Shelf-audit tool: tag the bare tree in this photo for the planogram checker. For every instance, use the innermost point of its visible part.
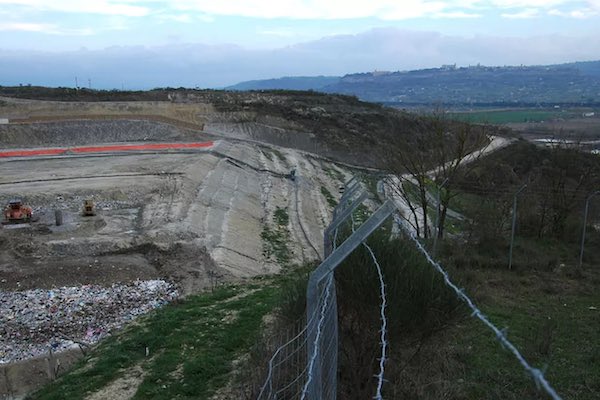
(432, 156)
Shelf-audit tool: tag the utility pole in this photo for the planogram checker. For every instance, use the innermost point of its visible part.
(437, 216)
(76, 83)
(514, 223)
(89, 83)
(585, 215)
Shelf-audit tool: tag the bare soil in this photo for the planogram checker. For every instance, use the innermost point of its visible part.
(193, 218)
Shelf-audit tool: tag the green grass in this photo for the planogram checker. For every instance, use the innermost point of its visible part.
(281, 217)
(555, 330)
(329, 197)
(279, 155)
(508, 116)
(269, 152)
(370, 182)
(276, 238)
(192, 346)
(334, 174)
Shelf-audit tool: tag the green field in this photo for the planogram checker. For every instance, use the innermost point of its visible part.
(508, 116)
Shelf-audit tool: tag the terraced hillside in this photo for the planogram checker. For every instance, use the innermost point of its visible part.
(194, 218)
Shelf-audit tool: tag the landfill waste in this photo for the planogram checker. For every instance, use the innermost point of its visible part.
(33, 322)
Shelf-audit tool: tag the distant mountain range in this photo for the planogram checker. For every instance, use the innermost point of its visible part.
(289, 83)
(573, 83)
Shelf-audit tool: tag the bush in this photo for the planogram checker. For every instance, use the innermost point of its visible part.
(418, 304)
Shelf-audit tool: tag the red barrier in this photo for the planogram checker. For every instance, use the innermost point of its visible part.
(105, 149)
(140, 147)
(30, 153)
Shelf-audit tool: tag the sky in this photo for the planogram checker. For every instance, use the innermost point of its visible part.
(142, 44)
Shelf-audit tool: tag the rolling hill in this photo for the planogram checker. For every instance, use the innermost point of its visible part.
(573, 83)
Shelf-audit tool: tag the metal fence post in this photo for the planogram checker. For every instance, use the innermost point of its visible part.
(585, 215)
(340, 218)
(514, 222)
(437, 217)
(320, 275)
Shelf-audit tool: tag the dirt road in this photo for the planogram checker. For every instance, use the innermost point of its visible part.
(413, 217)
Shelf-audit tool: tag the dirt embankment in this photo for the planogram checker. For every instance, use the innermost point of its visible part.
(193, 219)
(338, 127)
(73, 133)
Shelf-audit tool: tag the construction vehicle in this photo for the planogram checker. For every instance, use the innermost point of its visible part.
(16, 213)
(89, 209)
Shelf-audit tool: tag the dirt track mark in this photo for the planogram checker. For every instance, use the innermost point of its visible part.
(198, 126)
(70, 178)
(242, 164)
(123, 388)
(297, 207)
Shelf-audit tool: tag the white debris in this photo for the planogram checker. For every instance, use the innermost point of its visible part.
(34, 321)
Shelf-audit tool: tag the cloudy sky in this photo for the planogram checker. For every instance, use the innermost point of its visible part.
(141, 44)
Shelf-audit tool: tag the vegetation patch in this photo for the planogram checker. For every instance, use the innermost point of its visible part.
(281, 217)
(329, 197)
(418, 305)
(276, 239)
(553, 320)
(334, 174)
(370, 181)
(279, 155)
(508, 116)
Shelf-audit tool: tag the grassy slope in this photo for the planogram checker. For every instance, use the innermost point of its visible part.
(192, 346)
(549, 319)
(552, 316)
(551, 308)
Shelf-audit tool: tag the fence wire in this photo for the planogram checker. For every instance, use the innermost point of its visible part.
(313, 363)
(383, 329)
(304, 366)
(293, 368)
(318, 338)
(536, 374)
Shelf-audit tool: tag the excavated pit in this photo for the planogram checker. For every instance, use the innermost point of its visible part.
(193, 218)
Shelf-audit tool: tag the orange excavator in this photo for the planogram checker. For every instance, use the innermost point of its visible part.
(16, 213)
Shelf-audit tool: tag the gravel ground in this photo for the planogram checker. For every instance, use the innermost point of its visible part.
(34, 321)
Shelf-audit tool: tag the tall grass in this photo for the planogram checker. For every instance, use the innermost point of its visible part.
(418, 304)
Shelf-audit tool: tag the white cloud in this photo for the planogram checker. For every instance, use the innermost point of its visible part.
(23, 27)
(381, 9)
(524, 14)
(213, 66)
(50, 29)
(331, 9)
(185, 18)
(529, 3)
(578, 14)
(104, 7)
(186, 11)
(457, 14)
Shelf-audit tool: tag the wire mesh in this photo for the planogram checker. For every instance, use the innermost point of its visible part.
(304, 365)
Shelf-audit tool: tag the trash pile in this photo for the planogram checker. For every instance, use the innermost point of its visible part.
(33, 322)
